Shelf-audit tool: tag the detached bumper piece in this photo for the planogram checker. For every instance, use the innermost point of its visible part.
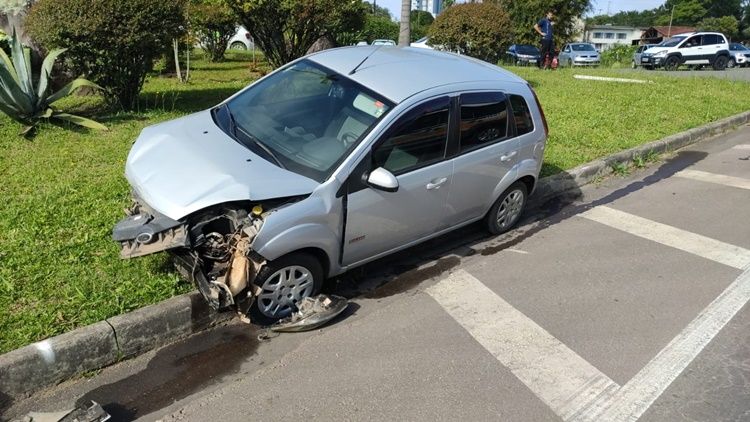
(313, 312)
(87, 412)
(143, 234)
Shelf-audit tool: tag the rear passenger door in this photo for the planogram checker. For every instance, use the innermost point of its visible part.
(712, 44)
(486, 152)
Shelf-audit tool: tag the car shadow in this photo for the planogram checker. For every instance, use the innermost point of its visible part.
(404, 271)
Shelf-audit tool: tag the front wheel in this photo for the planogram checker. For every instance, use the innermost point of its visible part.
(284, 282)
(672, 63)
(507, 210)
(731, 64)
(633, 65)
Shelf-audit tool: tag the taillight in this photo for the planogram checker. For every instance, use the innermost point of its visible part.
(541, 110)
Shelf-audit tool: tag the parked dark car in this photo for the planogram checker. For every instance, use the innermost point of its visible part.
(522, 54)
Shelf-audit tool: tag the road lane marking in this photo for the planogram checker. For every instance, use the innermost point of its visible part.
(724, 253)
(742, 147)
(719, 179)
(635, 397)
(557, 375)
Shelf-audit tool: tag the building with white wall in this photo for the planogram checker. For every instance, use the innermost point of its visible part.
(607, 36)
(432, 6)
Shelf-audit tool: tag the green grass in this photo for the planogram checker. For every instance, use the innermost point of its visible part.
(61, 194)
(63, 191)
(592, 119)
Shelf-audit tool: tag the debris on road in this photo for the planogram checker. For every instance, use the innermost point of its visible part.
(313, 312)
(90, 412)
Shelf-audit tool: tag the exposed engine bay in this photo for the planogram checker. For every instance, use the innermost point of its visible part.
(212, 248)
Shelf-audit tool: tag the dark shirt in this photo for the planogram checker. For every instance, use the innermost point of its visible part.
(545, 25)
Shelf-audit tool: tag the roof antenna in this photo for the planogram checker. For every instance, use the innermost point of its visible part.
(364, 60)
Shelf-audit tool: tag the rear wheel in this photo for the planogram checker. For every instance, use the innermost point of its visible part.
(238, 46)
(507, 210)
(284, 282)
(720, 63)
(672, 63)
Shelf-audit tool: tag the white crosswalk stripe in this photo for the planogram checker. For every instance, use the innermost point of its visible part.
(706, 247)
(561, 378)
(719, 179)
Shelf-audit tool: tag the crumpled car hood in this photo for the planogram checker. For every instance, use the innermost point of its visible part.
(188, 164)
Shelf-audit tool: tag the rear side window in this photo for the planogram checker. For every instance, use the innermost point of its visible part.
(418, 140)
(484, 119)
(521, 115)
(711, 39)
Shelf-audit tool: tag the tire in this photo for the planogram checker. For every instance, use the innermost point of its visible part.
(671, 63)
(731, 64)
(570, 63)
(277, 297)
(511, 203)
(720, 63)
(633, 65)
(237, 45)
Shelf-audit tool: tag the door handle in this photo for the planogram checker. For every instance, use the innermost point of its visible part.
(435, 184)
(508, 157)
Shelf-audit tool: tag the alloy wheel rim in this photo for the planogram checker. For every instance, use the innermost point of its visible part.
(510, 209)
(283, 290)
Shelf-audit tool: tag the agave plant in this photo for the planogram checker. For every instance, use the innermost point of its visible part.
(29, 105)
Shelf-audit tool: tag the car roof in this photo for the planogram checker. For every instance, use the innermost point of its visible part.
(400, 72)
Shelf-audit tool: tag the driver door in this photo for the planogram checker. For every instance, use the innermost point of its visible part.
(414, 150)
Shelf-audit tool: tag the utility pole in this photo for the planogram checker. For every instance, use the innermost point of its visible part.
(671, 16)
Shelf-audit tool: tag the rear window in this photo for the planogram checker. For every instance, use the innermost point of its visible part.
(521, 115)
(484, 119)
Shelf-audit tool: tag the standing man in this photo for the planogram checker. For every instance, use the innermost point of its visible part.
(544, 28)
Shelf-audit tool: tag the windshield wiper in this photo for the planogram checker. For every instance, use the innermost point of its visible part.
(235, 130)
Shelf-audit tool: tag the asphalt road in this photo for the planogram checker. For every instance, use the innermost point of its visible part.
(628, 302)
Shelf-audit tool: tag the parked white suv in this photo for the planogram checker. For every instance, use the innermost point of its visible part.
(695, 48)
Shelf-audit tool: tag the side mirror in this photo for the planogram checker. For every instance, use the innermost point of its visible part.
(382, 179)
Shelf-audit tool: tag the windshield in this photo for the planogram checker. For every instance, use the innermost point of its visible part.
(527, 49)
(305, 118)
(582, 47)
(671, 42)
(737, 47)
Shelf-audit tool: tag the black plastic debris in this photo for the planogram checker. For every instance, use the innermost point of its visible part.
(312, 313)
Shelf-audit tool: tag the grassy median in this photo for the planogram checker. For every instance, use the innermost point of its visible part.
(63, 191)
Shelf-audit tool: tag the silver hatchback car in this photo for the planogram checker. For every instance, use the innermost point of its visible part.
(330, 162)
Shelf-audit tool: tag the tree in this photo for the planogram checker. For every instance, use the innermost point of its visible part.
(378, 28)
(374, 9)
(727, 25)
(686, 12)
(285, 29)
(405, 27)
(525, 13)
(112, 42)
(420, 23)
(478, 30)
(213, 24)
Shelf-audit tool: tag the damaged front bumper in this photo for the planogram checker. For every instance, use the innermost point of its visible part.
(213, 251)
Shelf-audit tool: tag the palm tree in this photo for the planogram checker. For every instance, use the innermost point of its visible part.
(404, 33)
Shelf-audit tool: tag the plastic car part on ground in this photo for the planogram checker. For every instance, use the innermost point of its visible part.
(313, 312)
(88, 412)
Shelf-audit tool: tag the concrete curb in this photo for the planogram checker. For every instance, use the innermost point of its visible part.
(570, 180)
(39, 365)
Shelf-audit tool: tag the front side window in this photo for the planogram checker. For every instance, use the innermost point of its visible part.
(692, 42)
(521, 115)
(304, 118)
(484, 119)
(417, 140)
